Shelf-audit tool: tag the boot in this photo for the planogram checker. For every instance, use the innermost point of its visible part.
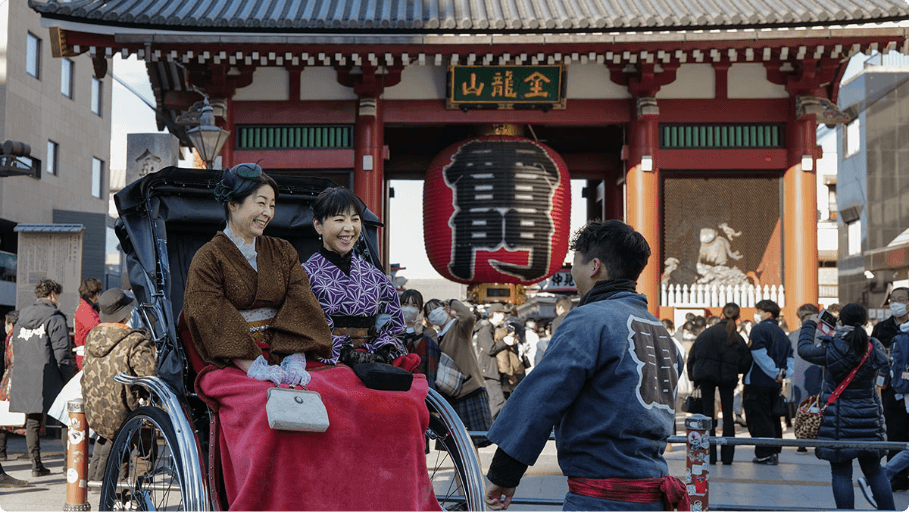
(3, 434)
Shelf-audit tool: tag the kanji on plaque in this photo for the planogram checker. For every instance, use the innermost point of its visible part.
(506, 86)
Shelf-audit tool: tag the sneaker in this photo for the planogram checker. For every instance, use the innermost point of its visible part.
(42, 471)
(769, 460)
(866, 490)
(8, 481)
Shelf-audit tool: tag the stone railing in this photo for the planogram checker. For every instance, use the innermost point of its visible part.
(712, 295)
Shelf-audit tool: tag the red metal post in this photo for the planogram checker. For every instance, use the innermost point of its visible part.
(643, 201)
(77, 458)
(697, 476)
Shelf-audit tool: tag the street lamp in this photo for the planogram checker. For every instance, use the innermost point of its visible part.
(207, 138)
(16, 160)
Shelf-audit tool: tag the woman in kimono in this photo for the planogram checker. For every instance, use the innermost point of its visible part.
(255, 320)
(353, 293)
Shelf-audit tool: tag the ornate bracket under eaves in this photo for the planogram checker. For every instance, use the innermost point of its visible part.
(826, 111)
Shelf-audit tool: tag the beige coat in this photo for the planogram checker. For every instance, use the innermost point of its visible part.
(457, 344)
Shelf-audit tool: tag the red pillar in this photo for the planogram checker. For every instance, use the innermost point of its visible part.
(800, 217)
(642, 196)
(369, 172)
(227, 152)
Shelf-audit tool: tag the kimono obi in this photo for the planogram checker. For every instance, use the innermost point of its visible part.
(360, 329)
(258, 321)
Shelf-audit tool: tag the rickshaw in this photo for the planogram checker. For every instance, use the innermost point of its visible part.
(164, 455)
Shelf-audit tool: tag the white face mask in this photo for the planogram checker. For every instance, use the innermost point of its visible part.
(898, 309)
(757, 318)
(496, 319)
(411, 313)
(438, 316)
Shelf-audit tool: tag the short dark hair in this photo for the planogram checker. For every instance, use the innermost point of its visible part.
(12, 317)
(45, 287)
(432, 304)
(90, 287)
(768, 306)
(806, 310)
(412, 296)
(667, 323)
(623, 251)
(336, 201)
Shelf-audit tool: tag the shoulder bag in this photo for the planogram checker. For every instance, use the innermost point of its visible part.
(810, 413)
(449, 378)
(694, 404)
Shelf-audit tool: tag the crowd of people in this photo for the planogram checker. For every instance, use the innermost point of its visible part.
(259, 318)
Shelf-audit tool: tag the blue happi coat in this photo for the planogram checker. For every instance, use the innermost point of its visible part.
(608, 384)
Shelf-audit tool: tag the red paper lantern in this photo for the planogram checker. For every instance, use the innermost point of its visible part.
(496, 209)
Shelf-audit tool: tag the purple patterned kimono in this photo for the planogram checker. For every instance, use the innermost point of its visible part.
(365, 292)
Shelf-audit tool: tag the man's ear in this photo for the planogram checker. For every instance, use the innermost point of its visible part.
(596, 267)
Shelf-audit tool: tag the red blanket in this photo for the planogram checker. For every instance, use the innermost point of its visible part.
(370, 458)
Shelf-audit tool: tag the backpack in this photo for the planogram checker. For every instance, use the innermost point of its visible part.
(899, 367)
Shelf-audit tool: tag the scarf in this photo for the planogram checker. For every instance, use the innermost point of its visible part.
(603, 290)
(842, 330)
(669, 489)
(342, 262)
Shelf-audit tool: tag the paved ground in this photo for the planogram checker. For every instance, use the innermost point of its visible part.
(800, 481)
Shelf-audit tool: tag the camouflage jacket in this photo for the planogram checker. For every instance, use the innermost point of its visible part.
(112, 349)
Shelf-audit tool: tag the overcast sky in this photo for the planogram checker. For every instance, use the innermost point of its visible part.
(132, 115)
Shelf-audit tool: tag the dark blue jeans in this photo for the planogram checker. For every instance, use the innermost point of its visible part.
(581, 502)
(843, 490)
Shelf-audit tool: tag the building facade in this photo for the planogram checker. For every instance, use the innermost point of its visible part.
(697, 128)
(60, 109)
(874, 178)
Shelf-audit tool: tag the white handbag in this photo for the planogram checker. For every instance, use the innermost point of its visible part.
(296, 409)
(10, 419)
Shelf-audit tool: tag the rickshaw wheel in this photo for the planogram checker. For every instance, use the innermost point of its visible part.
(453, 468)
(144, 471)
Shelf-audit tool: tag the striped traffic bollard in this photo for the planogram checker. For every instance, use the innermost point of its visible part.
(697, 461)
(77, 458)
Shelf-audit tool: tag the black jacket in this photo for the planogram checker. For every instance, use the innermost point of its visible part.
(711, 360)
(857, 414)
(487, 348)
(885, 330)
(42, 359)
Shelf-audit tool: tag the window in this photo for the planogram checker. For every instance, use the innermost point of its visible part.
(66, 77)
(33, 56)
(854, 238)
(97, 91)
(97, 175)
(51, 165)
(853, 138)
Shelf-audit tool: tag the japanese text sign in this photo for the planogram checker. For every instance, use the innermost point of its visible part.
(506, 86)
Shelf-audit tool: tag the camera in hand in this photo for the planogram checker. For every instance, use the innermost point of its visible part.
(826, 322)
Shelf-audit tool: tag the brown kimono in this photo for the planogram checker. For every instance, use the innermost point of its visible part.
(221, 283)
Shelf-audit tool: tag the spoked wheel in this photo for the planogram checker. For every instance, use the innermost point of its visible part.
(144, 471)
(452, 460)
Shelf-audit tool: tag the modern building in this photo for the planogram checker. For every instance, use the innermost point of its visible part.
(62, 110)
(696, 126)
(873, 191)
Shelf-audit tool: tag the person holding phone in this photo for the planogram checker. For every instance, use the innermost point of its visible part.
(894, 408)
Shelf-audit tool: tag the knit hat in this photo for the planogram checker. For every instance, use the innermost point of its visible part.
(114, 305)
(236, 181)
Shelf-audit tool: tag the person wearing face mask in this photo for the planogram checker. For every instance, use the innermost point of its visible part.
(43, 364)
(894, 408)
(418, 341)
(487, 349)
(455, 323)
(773, 360)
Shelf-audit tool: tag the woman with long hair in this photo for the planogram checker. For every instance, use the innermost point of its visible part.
(716, 359)
(857, 414)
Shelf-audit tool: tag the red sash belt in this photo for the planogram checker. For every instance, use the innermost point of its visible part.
(669, 489)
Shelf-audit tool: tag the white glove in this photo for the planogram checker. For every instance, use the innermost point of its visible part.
(294, 366)
(261, 370)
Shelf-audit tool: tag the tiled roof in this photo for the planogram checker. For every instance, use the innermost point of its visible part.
(469, 15)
